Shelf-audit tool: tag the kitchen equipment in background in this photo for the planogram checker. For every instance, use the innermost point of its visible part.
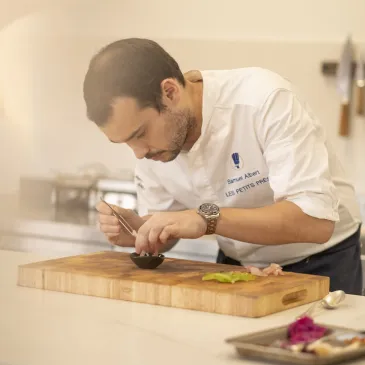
(73, 191)
(61, 191)
(76, 189)
(116, 187)
(36, 192)
(121, 192)
(344, 86)
(76, 192)
(79, 190)
(176, 283)
(360, 83)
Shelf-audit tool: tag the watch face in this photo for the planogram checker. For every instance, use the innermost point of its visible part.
(209, 209)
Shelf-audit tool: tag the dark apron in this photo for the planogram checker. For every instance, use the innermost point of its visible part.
(341, 263)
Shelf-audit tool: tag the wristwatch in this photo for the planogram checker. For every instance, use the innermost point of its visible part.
(210, 212)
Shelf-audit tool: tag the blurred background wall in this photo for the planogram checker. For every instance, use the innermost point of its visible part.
(45, 52)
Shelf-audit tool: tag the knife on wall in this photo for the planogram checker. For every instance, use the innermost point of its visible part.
(344, 86)
(360, 83)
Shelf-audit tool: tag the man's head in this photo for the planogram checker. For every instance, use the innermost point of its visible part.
(135, 92)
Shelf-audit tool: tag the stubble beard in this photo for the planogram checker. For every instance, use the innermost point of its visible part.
(184, 122)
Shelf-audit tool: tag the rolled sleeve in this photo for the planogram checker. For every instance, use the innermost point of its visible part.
(294, 148)
(152, 197)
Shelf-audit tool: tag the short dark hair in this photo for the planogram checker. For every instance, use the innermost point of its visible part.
(132, 67)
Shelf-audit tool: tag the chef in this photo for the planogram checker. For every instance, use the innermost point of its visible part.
(235, 153)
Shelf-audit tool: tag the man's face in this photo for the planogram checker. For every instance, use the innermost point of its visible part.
(151, 134)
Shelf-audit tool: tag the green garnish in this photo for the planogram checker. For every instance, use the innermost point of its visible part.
(229, 277)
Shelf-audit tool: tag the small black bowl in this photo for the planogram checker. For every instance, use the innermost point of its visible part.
(147, 261)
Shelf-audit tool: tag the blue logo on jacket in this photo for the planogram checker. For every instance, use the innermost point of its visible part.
(236, 161)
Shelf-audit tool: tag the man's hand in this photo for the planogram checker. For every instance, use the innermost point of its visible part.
(193, 76)
(161, 227)
(111, 227)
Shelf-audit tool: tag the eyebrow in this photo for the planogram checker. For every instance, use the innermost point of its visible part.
(133, 134)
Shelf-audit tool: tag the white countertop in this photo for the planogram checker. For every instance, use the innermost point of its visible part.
(48, 328)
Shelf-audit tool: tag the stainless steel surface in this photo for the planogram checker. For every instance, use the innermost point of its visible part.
(360, 76)
(118, 192)
(81, 190)
(330, 301)
(333, 300)
(117, 186)
(344, 76)
(360, 83)
(257, 346)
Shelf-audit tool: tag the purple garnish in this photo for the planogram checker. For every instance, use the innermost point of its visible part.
(304, 330)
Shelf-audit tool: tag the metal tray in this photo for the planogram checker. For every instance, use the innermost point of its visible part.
(257, 346)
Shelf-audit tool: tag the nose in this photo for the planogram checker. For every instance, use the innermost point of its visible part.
(140, 152)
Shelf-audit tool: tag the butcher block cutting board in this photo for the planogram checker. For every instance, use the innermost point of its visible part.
(176, 283)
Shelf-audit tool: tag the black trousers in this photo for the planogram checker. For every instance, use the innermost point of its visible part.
(341, 263)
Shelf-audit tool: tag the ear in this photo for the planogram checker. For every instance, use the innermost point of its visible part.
(170, 91)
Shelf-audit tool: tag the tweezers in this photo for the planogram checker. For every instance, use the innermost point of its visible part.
(121, 220)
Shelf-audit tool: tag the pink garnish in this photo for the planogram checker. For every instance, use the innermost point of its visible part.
(304, 330)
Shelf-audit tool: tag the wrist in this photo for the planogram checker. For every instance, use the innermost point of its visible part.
(200, 218)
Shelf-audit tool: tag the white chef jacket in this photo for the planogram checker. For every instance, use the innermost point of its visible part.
(260, 143)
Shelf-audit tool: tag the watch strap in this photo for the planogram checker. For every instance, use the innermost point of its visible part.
(211, 225)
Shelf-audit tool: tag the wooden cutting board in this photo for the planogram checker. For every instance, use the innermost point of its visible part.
(176, 283)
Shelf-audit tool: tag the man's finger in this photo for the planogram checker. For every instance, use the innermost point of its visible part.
(168, 232)
(153, 238)
(154, 234)
(112, 234)
(193, 76)
(142, 246)
(106, 228)
(142, 239)
(108, 219)
(103, 208)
